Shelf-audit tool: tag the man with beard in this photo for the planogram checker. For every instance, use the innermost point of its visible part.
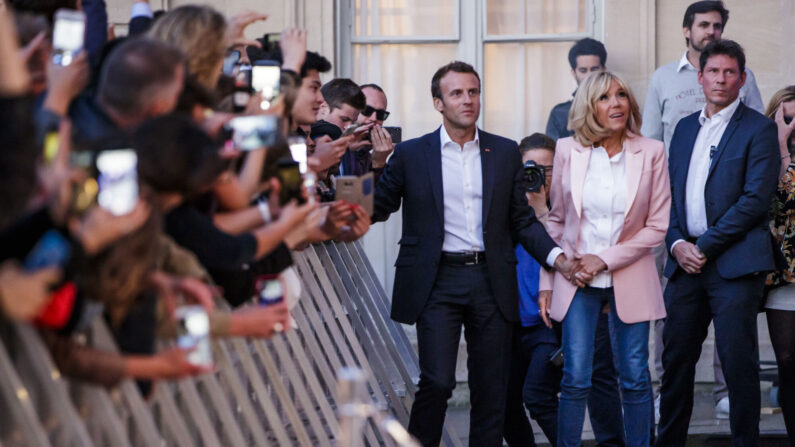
(674, 93)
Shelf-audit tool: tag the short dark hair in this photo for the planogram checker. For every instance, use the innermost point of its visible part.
(339, 91)
(134, 71)
(455, 66)
(703, 7)
(587, 47)
(725, 47)
(537, 140)
(175, 155)
(373, 86)
(313, 61)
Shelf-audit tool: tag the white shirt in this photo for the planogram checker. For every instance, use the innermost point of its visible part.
(462, 182)
(604, 199)
(704, 149)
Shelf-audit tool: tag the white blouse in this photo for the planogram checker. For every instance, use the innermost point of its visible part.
(604, 200)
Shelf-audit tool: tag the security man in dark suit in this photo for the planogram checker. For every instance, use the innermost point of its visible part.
(464, 208)
(724, 165)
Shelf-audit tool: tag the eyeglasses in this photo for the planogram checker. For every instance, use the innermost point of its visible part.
(380, 114)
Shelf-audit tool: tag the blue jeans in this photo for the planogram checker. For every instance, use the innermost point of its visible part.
(630, 344)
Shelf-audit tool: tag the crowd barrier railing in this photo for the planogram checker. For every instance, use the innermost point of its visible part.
(279, 392)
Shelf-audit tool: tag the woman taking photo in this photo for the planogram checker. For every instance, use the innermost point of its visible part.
(780, 304)
(610, 198)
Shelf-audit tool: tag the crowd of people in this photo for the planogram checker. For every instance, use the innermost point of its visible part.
(136, 189)
(173, 170)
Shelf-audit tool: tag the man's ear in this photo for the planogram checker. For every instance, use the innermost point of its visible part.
(686, 32)
(438, 104)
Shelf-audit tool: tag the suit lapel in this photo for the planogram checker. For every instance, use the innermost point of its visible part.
(487, 168)
(580, 157)
(433, 160)
(734, 123)
(686, 150)
(633, 165)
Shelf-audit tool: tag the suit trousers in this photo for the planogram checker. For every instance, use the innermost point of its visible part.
(462, 296)
(692, 301)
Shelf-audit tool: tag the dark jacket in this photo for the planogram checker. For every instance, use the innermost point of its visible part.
(740, 185)
(558, 120)
(413, 177)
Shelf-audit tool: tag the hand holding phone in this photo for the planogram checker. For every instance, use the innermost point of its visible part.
(193, 333)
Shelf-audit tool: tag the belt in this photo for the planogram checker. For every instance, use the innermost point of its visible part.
(464, 257)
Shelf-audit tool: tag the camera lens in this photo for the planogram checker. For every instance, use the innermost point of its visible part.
(534, 176)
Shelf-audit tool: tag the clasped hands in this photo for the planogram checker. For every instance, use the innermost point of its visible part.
(580, 269)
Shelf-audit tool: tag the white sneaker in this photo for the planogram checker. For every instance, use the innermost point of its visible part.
(722, 409)
(657, 409)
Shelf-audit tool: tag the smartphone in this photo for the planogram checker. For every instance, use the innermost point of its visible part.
(117, 181)
(52, 250)
(242, 92)
(265, 76)
(193, 332)
(352, 128)
(84, 193)
(230, 62)
(289, 175)
(270, 290)
(356, 190)
(253, 132)
(396, 133)
(271, 42)
(298, 151)
(68, 35)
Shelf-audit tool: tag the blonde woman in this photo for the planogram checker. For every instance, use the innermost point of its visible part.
(610, 199)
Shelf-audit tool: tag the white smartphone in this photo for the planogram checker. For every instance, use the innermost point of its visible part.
(117, 180)
(265, 80)
(68, 35)
(298, 151)
(193, 332)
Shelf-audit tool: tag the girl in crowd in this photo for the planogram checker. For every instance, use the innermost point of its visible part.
(610, 198)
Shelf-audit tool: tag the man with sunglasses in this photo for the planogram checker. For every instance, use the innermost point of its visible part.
(370, 154)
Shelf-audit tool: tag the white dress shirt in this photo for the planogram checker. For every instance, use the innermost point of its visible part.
(704, 149)
(462, 182)
(604, 198)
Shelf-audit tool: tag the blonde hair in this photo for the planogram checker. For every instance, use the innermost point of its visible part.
(786, 94)
(582, 115)
(200, 32)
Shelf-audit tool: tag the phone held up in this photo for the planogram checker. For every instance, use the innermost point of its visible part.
(68, 35)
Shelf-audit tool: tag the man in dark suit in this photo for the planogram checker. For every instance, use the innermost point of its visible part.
(724, 165)
(463, 209)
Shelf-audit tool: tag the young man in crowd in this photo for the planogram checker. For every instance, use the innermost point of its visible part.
(674, 92)
(585, 57)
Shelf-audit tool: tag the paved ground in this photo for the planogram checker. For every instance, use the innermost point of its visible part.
(705, 430)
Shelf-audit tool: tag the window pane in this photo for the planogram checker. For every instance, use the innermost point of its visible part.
(536, 16)
(405, 18)
(404, 72)
(518, 101)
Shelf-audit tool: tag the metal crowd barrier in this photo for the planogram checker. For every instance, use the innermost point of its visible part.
(277, 392)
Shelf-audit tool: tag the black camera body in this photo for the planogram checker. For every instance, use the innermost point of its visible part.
(534, 176)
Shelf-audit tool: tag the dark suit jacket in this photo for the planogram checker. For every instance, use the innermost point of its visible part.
(742, 179)
(414, 175)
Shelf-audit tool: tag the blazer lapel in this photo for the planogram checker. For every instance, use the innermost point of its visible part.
(686, 149)
(487, 168)
(433, 160)
(734, 123)
(580, 157)
(633, 164)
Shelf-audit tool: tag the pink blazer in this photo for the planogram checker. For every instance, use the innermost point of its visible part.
(636, 283)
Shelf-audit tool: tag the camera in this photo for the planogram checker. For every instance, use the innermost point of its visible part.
(534, 176)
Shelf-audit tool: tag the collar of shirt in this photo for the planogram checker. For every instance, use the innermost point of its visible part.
(445, 138)
(722, 116)
(685, 63)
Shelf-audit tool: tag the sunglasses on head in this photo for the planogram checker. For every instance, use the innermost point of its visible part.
(380, 114)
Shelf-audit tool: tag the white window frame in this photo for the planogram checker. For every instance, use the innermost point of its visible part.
(471, 16)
